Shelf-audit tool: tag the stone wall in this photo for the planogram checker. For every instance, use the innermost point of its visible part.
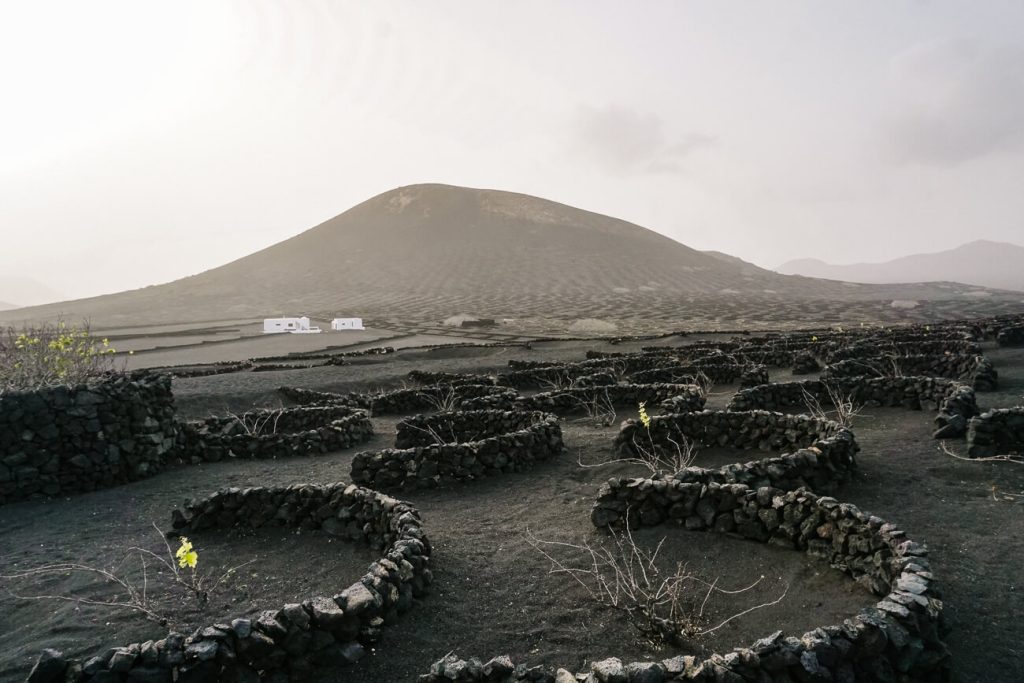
(291, 643)
(996, 432)
(1011, 335)
(462, 426)
(820, 453)
(583, 399)
(870, 348)
(955, 401)
(898, 639)
(400, 401)
(265, 434)
(977, 371)
(537, 437)
(65, 440)
(428, 377)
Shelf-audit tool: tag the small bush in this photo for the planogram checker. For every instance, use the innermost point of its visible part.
(50, 355)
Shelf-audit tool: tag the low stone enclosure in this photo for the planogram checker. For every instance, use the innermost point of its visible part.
(954, 400)
(869, 348)
(598, 398)
(978, 371)
(431, 450)
(263, 434)
(62, 441)
(996, 432)
(289, 643)
(1011, 335)
(399, 401)
(819, 454)
(898, 639)
(67, 440)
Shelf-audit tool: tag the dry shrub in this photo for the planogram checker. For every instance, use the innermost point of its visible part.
(665, 604)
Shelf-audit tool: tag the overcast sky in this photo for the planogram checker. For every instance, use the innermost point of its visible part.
(145, 141)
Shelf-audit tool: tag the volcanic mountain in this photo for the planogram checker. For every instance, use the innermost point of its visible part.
(984, 263)
(424, 252)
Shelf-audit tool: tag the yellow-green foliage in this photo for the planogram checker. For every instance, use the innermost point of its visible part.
(187, 557)
(52, 355)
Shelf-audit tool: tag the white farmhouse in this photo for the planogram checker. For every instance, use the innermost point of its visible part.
(347, 324)
(271, 325)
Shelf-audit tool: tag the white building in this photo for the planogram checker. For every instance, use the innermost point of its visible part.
(271, 325)
(347, 324)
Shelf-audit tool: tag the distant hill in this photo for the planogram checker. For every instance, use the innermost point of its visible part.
(4, 306)
(26, 291)
(427, 252)
(983, 263)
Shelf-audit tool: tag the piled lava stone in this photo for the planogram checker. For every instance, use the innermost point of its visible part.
(290, 643)
(896, 639)
(955, 401)
(977, 370)
(820, 453)
(402, 401)
(264, 434)
(804, 363)
(65, 440)
(482, 443)
(1011, 335)
(725, 372)
(428, 377)
(871, 348)
(996, 432)
(580, 399)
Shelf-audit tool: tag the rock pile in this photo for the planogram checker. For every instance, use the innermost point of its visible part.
(955, 401)
(588, 399)
(494, 442)
(266, 434)
(899, 638)
(996, 432)
(290, 643)
(1011, 335)
(66, 440)
(402, 401)
(978, 371)
(820, 453)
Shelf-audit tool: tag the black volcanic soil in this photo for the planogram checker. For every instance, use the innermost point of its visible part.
(493, 593)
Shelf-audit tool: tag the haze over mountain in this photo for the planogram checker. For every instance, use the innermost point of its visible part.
(4, 306)
(26, 291)
(984, 263)
(426, 251)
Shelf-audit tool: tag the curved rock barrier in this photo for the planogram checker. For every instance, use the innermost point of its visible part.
(873, 347)
(65, 440)
(996, 432)
(427, 377)
(976, 370)
(482, 443)
(898, 639)
(955, 401)
(291, 643)
(583, 399)
(1011, 335)
(401, 401)
(820, 454)
(263, 434)
(804, 363)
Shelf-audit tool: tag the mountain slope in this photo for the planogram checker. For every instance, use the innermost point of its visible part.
(983, 263)
(428, 251)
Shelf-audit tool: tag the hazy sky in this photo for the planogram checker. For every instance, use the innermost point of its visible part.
(145, 141)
